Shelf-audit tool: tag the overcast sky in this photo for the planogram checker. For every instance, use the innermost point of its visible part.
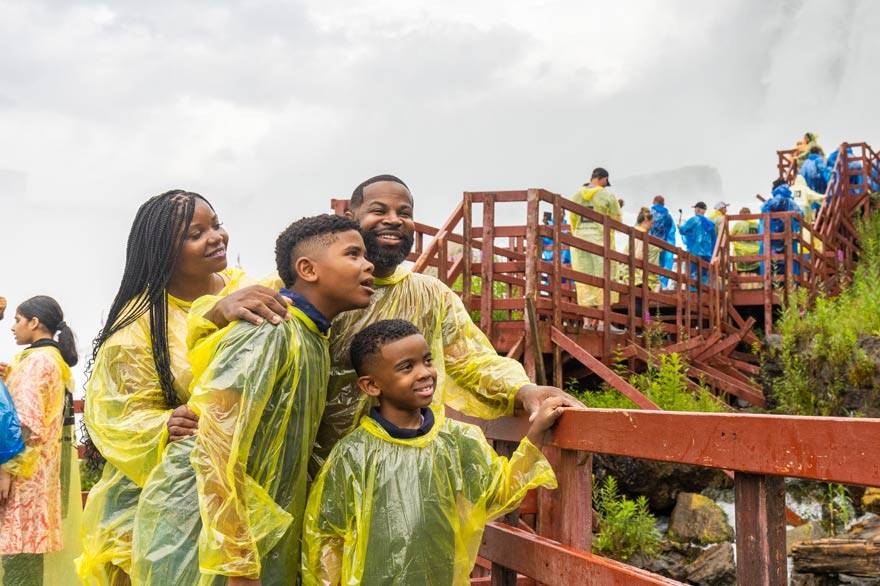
(270, 108)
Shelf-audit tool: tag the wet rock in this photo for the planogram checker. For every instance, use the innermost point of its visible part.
(806, 532)
(871, 500)
(855, 554)
(698, 519)
(671, 561)
(715, 567)
(659, 482)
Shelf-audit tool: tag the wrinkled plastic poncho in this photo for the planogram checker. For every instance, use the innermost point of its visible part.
(11, 443)
(411, 511)
(638, 254)
(664, 229)
(806, 199)
(746, 247)
(854, 169)
(716, 216)
(57, 566)
(699, 236)
(230, 501)
(813, 170)
(604, 202)
(471, 376)
(127, 418)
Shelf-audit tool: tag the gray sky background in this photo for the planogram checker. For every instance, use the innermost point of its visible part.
(270, 108)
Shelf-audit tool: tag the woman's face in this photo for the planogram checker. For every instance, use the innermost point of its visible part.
(204, 244)
(24, 330)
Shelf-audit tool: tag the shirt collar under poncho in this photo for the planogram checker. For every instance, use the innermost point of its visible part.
(401, 433)
(307, 308)
(44, 343)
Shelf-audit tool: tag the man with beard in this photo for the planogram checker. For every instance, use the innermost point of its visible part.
(471, 376)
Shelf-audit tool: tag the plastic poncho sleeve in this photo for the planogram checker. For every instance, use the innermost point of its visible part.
(329, 519)
(583, 197)
(11, 443)
(505, 482)
(198, 326)
(230, 396)
(37, 376)
(125, 410)
(485, 382)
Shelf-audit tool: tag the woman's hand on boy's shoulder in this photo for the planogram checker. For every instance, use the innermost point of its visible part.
(254, 304)
(530, 398)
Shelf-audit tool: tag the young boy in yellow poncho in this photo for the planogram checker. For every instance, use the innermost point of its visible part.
(226, 506)
(404, 499)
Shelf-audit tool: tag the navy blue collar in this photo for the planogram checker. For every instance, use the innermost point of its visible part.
(400, 433)
(305, 306)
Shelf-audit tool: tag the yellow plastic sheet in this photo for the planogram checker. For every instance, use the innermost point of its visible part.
(747, 247)
(127, 416)
(471, 376)
(259, 393)
(603, 202)
(412, 511)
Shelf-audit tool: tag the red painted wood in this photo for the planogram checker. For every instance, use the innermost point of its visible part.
(828, 449)
(760, 530)
(553, 564)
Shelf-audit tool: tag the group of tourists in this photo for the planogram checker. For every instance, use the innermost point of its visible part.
(274, 432)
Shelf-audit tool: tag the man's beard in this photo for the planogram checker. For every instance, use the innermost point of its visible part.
(382, 256)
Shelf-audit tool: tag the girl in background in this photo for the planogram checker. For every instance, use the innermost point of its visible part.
(31, 503)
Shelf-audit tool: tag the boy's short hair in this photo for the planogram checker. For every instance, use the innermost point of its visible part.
(368, 342)
(293, 241)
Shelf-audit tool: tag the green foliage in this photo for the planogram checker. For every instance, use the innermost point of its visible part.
(820, 353)
(626, 527)
(667, 386)
(837, 509)
(88, 475)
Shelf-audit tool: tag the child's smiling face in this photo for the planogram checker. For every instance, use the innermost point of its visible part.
(404, 374)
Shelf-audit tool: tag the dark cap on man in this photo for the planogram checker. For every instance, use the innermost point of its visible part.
(600, 173)
(701, 205)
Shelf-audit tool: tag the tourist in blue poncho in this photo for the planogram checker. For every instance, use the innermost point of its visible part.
(664, 229)
(699, 238)
(813, 170)
(781, 201)
(854, 167)
(11, 443)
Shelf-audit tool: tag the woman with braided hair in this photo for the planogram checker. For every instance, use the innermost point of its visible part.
(139, 373)
(32, 495)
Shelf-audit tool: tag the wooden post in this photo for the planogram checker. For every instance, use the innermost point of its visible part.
(768, 276)
(487, 275)
(467, 257)
(502, 576)
(760, 530)
(606, 290)
(631, 283)
(556, 284)
(532, 251)
(788, 239)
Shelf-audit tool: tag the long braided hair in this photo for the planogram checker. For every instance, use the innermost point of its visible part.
(154, 243)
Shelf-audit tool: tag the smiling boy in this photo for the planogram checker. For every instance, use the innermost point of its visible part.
(228, 503)
(404, 498)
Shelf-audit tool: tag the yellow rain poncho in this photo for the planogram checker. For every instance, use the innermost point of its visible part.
(411, 511)
(471, 377)
(58, 567)
(259, 392)
(604, 202)
(748, 247)
(127, 416)
(653, 260)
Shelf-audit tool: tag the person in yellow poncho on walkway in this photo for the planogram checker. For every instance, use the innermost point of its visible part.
(472, 377)
(35, 484)
(404, 499)
(259, 392)
(746, 247)
(135, 398)
(595, 196)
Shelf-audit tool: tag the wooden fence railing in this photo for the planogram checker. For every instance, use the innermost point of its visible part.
(761, 449)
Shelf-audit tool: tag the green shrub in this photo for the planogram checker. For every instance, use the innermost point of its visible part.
(819, 351)
(88, 475)
(626, 527)
(666, 385)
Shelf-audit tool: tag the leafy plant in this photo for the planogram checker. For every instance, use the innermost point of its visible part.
(819, 352)
(666, 385)
(837, 509)
(626, 527)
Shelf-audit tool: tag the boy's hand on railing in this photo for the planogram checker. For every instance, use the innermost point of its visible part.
(543, 419)
(530, 398)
